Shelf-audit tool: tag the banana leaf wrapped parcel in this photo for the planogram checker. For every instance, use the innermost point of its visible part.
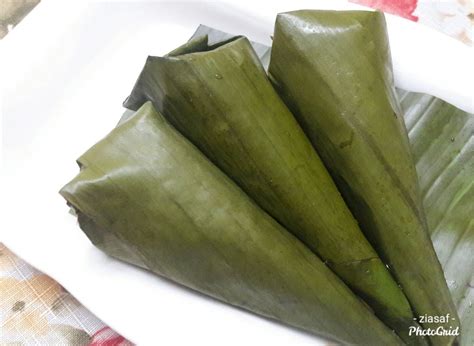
(333, 70)
(148, 196)
(219, 97)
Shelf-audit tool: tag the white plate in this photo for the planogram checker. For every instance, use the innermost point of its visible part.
(67, 69)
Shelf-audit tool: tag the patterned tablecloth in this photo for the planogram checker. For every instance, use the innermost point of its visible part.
(35, 309)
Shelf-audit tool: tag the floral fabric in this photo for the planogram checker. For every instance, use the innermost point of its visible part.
(452, 17)
(36, 310)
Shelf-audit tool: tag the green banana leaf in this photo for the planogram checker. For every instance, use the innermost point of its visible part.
(219, 97)
(333, 69)
(148, 196)
(441, 138)
(443, 135)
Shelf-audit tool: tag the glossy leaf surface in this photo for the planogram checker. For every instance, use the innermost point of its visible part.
(148, 196)
(220, 98)
(333, 69)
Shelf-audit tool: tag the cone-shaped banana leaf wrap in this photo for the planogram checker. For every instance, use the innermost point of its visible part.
(220, 99)
(333, 70)
(148, 196)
